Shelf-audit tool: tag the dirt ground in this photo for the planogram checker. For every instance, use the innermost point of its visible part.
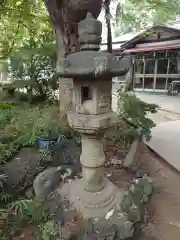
(164, 206)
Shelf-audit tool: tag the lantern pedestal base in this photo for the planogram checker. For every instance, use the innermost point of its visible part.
(92, 204)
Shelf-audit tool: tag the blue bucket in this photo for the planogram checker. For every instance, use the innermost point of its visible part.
(45, 142)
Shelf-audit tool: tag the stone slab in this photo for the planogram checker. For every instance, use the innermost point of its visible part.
(165, 142)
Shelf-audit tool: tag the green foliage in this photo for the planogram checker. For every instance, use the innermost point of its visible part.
(5, 197)
(19, 207)
(20, 125)
(134, 114)
(4, 106)
(16, 132)
(23, 211)
(16, 18)
(50, 230)
(5, 116)
(132, 14)
(3, 178)
(48, 125)
(32, 211)
(28, 48)
(45, 157)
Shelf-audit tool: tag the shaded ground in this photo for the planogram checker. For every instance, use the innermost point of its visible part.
(164, 207)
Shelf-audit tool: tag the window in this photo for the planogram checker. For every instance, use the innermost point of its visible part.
(162, 66)
(150, 65)
(173, 66)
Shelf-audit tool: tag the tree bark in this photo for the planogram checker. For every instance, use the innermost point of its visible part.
(108, 23)
(65, 14)
(65, 84)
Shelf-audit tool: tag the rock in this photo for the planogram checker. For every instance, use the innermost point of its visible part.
(123, 225)
(67, 154)
(46, 182)
(131, 158)
(21, 171)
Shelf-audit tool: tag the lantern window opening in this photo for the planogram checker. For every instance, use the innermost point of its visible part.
(86, 94)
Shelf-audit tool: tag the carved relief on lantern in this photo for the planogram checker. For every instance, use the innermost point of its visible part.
(103, 100)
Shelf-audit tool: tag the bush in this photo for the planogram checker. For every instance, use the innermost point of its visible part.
(133, 114)
(133, 121)
(20, 126)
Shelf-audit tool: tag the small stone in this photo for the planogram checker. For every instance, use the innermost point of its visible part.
(109, 214)
(109, 175)
(115, 161)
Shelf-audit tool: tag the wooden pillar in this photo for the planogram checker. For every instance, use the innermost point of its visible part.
(155, 73)
(144, 72)
(167, 73)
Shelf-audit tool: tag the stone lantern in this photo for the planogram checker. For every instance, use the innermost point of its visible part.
(92, 72)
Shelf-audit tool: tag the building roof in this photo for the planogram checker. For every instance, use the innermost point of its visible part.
(143, 35)
(154, 38)
(154, 48)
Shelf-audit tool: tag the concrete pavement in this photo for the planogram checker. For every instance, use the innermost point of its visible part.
(165, 142)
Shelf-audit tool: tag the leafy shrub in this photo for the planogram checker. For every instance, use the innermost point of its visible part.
(28, 210)
(133, 113)
(50, 231)
(22, 212)
(22, 124)
(17, 132)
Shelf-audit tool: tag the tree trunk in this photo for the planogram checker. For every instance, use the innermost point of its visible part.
(108, 23)
(65, 14)
(65, 84)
